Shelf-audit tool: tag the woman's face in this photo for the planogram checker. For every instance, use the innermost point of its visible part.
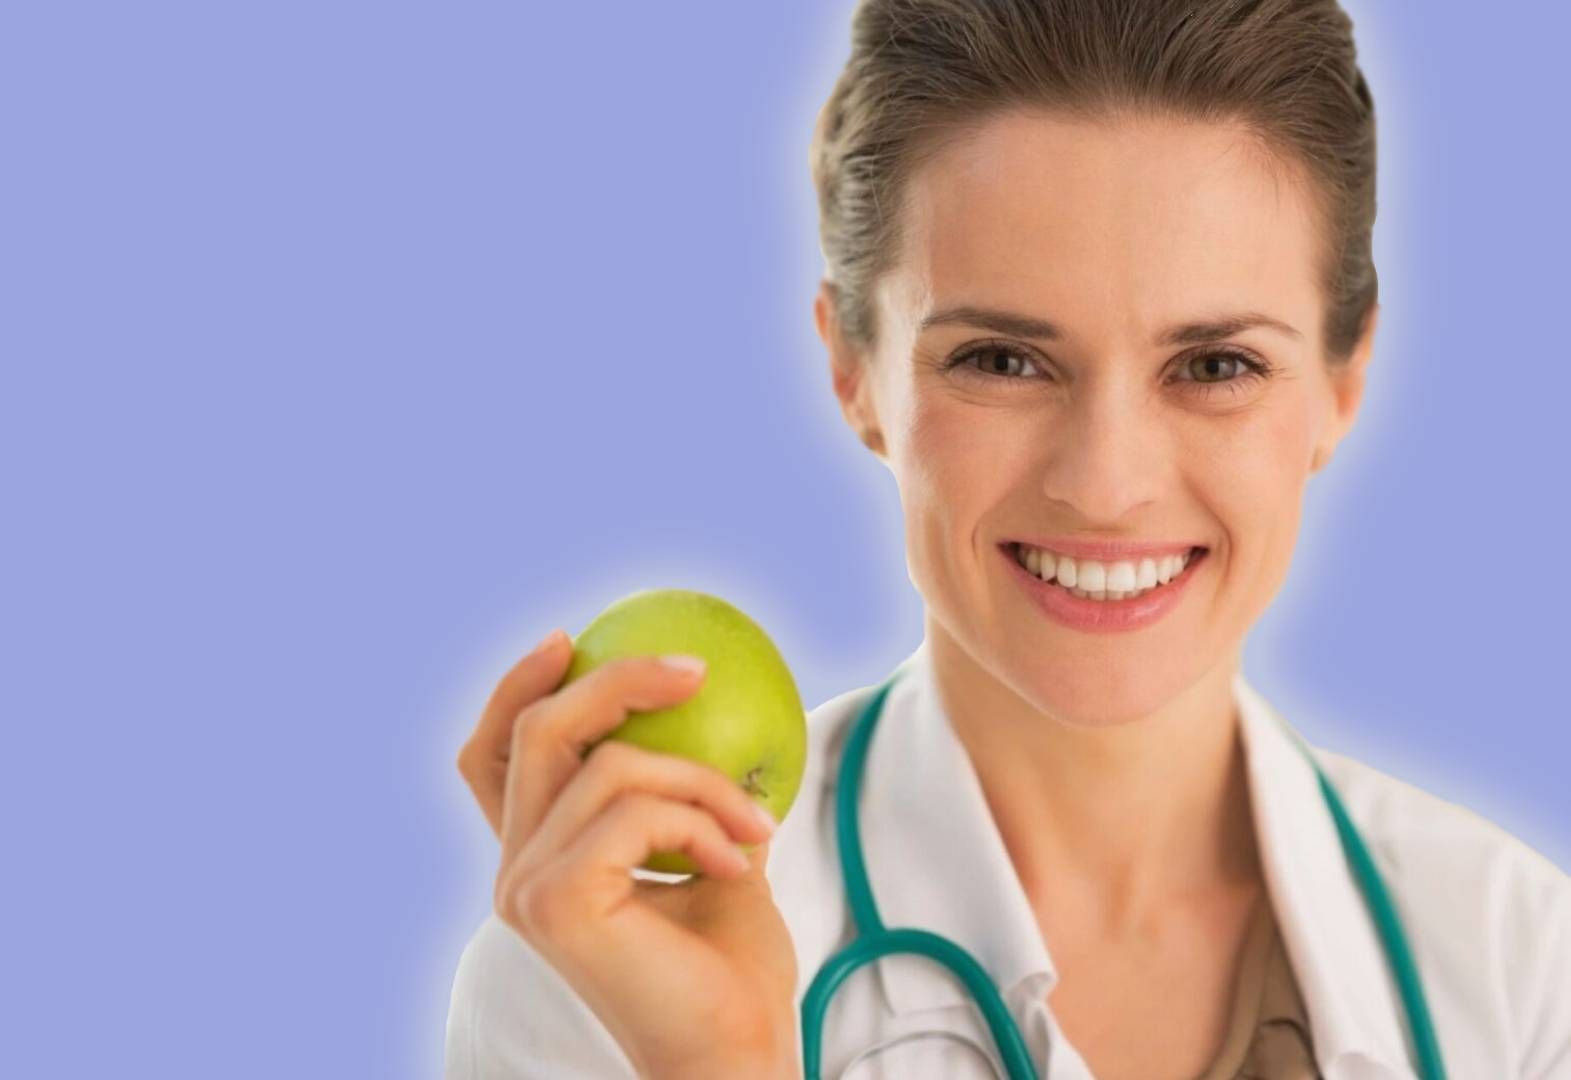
(1114, 235)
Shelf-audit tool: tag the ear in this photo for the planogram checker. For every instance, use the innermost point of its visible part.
(1347, 388)
(848, 371)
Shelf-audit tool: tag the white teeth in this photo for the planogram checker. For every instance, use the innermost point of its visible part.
(1120, 577)
(1146, 578)
(1088, 578)
(1091, 576)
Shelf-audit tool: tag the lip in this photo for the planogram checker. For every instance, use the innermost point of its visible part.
(1103, 550)
(1103, 616)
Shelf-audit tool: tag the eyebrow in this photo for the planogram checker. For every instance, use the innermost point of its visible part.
(1211, 328)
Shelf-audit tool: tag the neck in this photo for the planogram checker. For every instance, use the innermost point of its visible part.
(1119, 823)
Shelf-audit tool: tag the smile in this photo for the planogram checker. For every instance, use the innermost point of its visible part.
(1097, 595)
(1095, 579)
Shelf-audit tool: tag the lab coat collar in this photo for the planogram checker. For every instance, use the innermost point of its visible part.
(933, 854)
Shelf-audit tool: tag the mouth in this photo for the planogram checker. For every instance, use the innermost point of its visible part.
(1076, 592)
(1105, 580)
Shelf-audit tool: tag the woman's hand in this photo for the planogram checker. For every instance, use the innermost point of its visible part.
(695, 978)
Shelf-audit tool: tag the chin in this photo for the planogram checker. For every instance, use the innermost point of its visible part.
(1107, 697)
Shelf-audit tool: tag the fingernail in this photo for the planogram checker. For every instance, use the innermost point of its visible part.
(549, 639)
(686, 664)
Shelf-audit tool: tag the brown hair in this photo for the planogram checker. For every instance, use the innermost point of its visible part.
(922, 72)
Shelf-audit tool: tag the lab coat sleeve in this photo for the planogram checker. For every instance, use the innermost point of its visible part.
(511, 1016)
(1543, 949)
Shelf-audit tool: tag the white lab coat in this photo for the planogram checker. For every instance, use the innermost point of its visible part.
(1488, 918)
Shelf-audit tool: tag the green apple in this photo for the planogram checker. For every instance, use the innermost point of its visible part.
(746, 719)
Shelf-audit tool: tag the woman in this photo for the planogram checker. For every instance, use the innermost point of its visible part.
(1100, 296)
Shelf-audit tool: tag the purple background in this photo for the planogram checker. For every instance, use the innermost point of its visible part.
(349, 347)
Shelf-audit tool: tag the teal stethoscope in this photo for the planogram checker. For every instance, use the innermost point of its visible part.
(875, 940)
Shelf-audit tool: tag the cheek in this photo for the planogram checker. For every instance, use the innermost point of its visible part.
(950, 470)
(1260, 493)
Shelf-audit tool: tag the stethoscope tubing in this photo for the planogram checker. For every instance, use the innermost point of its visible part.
(1421, 1025)
(874, 940)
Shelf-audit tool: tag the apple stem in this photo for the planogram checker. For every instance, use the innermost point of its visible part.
(752, 785)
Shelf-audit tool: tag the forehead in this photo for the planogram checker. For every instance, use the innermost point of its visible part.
(1119, 228)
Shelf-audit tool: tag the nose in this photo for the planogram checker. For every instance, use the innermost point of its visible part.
(1107, 452)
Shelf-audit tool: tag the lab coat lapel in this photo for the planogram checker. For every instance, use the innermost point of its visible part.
(1355, 1009)
(934, 857)
(936, 862)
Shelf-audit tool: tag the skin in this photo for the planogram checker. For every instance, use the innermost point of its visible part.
(1111, 762)
(573, 826)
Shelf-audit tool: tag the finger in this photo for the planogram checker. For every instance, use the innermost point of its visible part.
(758, 862)
(551, 736)
(483, 758)
(616, 767)
(636, 826)
(536, 674)
(572, 893)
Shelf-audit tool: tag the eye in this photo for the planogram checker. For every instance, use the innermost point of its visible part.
(995, 357)
(1211, 369)
(1236, 369)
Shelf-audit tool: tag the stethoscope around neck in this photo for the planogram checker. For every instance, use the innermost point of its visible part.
(875, 940)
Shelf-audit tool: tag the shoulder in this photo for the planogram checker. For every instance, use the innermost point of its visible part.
(1427, 835)
(1424, 839)
(804, 867)
(828, 727)
(1489, 915)
(512, 1015)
